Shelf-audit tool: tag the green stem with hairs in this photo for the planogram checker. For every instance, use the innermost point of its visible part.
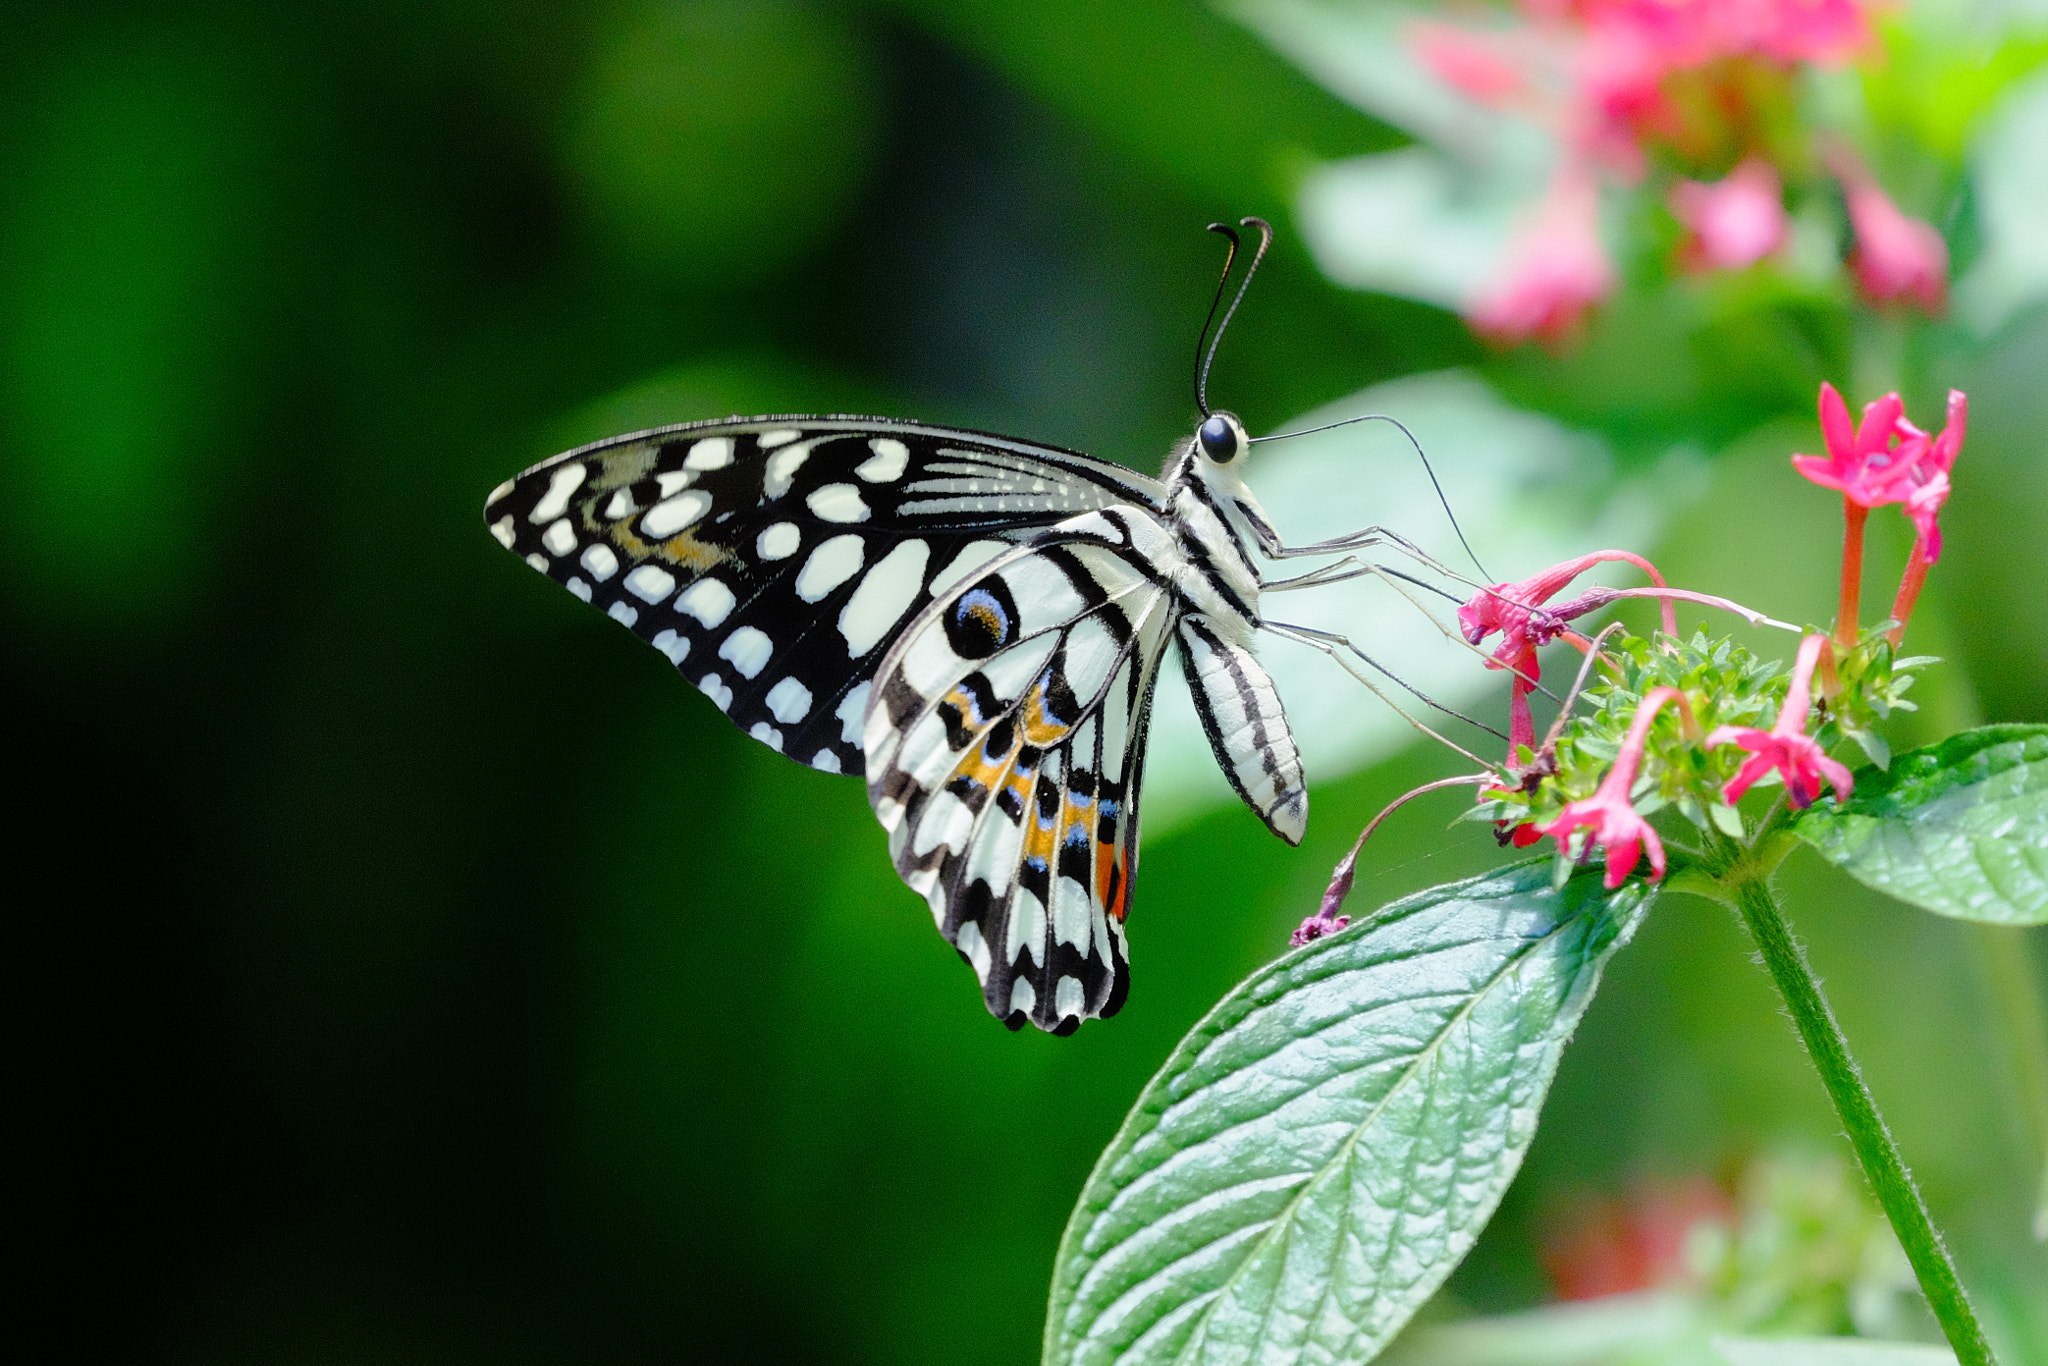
(1745, 881)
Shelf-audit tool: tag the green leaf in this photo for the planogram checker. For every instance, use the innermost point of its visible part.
(1323, 1148)
(1959, 828)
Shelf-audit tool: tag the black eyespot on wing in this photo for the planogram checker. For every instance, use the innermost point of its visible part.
(982, 620)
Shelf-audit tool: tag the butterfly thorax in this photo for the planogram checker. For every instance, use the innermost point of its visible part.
(1216, 521)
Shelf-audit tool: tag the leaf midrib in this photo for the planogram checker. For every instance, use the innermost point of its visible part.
(1283, 1220)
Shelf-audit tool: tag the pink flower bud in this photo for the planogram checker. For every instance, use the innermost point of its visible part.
(1736, 221)
(1895, 257)
(1556, 272)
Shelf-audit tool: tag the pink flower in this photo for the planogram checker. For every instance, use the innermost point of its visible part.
(1928, 477)
(1513, 610)
(1556, 273)
(1870, 464)
(1736, 221)
(1786, 746)
(1479, 64)
(1609, 814)
(1315, 927)
(1895, 257)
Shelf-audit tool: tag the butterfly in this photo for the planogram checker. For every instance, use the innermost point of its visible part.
(974, 623)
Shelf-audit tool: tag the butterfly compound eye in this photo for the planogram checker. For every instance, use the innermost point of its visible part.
(1220, 439)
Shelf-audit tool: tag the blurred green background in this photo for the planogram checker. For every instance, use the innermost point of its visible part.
(407, 966)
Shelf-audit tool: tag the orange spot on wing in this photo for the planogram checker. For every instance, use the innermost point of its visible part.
(1038, 727)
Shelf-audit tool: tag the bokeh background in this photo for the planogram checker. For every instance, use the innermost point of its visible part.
(404, 965)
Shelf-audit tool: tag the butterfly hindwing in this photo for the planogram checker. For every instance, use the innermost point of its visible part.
(775, 560)
(1247, 729)
(1004, 752)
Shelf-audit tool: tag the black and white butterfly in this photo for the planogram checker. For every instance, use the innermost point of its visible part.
(975, 623)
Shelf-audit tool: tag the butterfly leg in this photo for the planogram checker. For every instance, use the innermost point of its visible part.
(1341, 649)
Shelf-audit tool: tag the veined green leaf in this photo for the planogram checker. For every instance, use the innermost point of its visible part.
(1959, 828)
(1323, 1148)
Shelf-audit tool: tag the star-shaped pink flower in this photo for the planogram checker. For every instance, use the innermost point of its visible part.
(1786, 746)
(1608, 814)
(1927, 479)
(1869, 463)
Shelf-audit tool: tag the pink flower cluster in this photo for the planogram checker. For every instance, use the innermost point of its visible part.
(1699, 83)
(1884, 460)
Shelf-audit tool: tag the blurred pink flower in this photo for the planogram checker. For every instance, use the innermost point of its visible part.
(1609, 814)
(1555, 273)
(1736, 221)
(1896, 257)
(1599, 1247)
(1786, 746)
(1490, 67)
(1632, 48)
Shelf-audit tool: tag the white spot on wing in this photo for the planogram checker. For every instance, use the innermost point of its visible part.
(579, 588)
(708, 600)
(560, 538)
(789, 701)
(1068, 998)
(650, 583)
(1027, 925)
(673, 482)
(972, 556)
(748, 649)
(767, 735)
(825, 761)
(712, 453)
(671, 515)
(852, 713)
(715, 689)
(778, 542)
(944, 820)
(838, 503)
(888, 461)
(621, 505)
(538, 561)
(780, 436)
(561, 485)
(830, 565)
(600, 561)
(968, 940)
(883, 596)
(502, 529)
(1023, 997)
(672, 645)
(500, 492)
(623, 613)
(781, 468)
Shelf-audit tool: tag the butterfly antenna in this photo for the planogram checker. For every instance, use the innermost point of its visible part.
(1205, 346)
(1202, 342)
(1420, 454)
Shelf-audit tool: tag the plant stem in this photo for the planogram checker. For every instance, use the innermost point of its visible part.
(1872, 1139)
(1851, 605)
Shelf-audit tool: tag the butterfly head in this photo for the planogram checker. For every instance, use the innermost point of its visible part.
(1221, 438)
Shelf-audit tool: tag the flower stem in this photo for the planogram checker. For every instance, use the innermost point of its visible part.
(1853, 517)
(1909, 590)
(1872, 1139)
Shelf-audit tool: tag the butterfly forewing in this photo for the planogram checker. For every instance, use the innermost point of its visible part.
(775, 560)
(1004, 751)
